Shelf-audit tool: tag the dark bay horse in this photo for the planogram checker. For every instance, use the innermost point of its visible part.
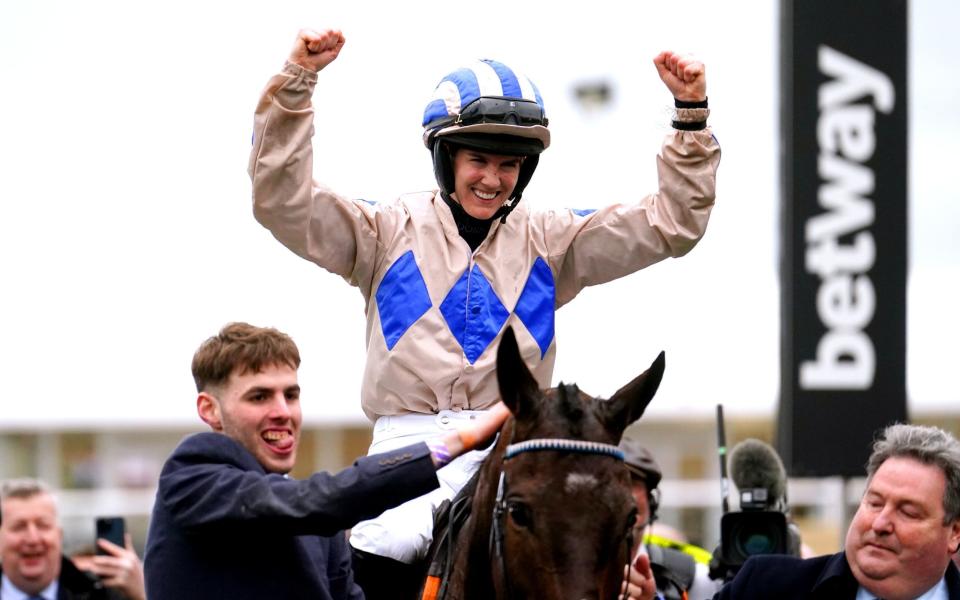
(552, 511)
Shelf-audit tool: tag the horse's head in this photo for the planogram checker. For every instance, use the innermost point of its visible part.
(565, 510)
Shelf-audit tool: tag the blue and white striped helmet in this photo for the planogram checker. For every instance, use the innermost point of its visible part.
(487, 97)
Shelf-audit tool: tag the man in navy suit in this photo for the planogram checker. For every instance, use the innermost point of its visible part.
(900, 542)
(229, 523)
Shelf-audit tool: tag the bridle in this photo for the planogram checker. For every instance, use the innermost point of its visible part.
(500, 504)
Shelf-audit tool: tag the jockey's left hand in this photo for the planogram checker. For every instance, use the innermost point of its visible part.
(684, 76)
(638, 582)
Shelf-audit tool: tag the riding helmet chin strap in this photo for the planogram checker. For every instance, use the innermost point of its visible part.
(507, 208)
(529, 165)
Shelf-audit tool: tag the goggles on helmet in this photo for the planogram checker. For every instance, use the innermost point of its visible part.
(501, 111)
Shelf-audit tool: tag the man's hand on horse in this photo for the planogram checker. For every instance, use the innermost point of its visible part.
(684, 76)
(470, 436)
(638, 582)
(315, 50)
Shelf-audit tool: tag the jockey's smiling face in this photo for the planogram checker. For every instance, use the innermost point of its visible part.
(484, 181)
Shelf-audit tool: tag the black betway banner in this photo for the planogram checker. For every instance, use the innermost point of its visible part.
(844, 230)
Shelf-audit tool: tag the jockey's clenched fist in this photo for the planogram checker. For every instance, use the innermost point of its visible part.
(683, 75)
(314, 50)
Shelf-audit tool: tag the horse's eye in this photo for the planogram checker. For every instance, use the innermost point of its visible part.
(520, 514)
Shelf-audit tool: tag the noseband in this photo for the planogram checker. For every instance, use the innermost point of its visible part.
(537, 445)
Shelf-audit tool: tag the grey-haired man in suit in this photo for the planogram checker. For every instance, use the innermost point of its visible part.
(901, 540)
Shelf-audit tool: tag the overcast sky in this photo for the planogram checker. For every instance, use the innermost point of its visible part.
(127, 236)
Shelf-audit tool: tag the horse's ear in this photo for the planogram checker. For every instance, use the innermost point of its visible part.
(628, 404)
(517, 385)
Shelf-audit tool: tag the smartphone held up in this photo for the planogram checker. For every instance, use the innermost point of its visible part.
(112, 529)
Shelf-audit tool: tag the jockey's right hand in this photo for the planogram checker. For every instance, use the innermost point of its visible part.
(315, 50)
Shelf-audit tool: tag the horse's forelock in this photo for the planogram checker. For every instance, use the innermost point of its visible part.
(572, 414)
(571, 407)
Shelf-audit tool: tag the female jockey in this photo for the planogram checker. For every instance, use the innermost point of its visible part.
(444, 272)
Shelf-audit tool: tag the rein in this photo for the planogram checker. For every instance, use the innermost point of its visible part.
(538, 445)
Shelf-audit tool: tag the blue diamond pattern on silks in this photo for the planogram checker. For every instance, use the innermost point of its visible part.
(473, 313)
(402, 298)
(582, 212)
(537, 303)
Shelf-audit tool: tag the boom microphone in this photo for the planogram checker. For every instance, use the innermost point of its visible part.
(758, 473)
(722, 454)
(761, 525)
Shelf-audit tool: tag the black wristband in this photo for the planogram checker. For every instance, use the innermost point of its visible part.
(685, 104)
(689, 125)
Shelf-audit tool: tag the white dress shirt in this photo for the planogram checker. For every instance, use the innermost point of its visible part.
(8, 591)
(937, 592)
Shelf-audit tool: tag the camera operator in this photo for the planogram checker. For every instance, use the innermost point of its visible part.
(762, 525)
(900, 542)
(677, 573)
